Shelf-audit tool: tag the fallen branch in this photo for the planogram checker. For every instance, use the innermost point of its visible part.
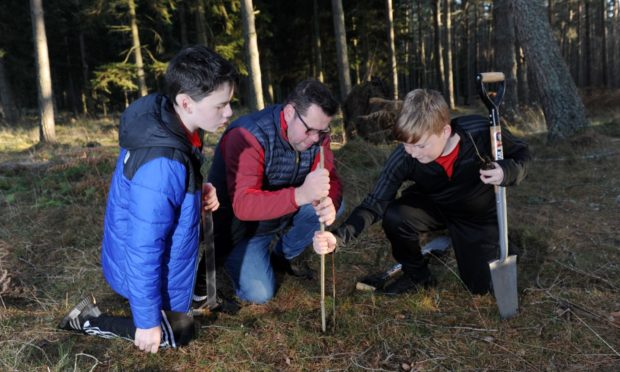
(97, 362)
(595, 333)
(581, 272)
(5, 278)
(29, 166)
(462, 328)
(509, 351)
(582, 308)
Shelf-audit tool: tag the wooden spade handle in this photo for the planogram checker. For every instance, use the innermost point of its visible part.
(492, 77)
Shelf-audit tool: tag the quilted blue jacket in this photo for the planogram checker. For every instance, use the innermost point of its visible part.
(152, 220)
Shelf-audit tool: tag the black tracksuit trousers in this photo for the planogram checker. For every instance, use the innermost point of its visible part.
(177, 328)
(475, 239)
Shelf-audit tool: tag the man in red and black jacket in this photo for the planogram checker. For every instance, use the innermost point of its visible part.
(271, 189)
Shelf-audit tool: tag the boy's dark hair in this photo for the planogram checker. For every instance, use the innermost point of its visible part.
(310, 92)
(197, 71)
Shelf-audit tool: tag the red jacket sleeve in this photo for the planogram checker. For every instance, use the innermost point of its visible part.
(245, 161)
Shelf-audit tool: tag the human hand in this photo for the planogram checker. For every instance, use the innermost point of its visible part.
(210, 203)
(323, 242)
(148, 340)
(315, 187)
(325, 210)
(493, 176)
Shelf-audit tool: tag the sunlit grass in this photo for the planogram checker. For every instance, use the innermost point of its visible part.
(16, 140)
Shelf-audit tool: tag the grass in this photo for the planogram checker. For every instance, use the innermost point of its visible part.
(564, 219)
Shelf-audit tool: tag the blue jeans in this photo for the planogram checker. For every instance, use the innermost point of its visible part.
(249, 262)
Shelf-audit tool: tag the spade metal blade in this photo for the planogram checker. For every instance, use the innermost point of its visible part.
(504, 277)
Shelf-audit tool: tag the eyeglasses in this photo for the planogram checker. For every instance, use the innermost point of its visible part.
(310, 131)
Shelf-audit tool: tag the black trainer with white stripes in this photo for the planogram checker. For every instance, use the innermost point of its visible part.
(177, 329)
(84, 311)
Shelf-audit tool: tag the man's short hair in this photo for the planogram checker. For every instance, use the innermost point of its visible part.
(197, 71)
(310, 92)
(424, 111)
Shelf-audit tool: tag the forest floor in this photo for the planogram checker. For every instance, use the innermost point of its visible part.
(564, 219)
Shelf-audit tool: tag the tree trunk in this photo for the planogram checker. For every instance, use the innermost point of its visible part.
(439, 71)
(505, 56)
(183, 23)
(468, 44)
(603, 37)
(391, 45)
(488, 39)
(457, 51)
(406, 45)
(318, 56)
(341, 49)
(564, 111)
(588, 46)
(73, 99)
(476, 53)
(47, 128)
(549, 12)
(422, 80)
(6, 95)
(563, 33)
(616, 44)
(137, 48)
(571, 55)
(523, 89)
(357, 50)
(201, 23)
(449, 77)
(253, 59)
(413, 70)
(85, 71)
(268, 79)
(579, 47)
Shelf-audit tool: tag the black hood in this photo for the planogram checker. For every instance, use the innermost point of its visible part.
(152, 122)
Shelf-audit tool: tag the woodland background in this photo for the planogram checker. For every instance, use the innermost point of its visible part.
(62, 93)
(93, 57)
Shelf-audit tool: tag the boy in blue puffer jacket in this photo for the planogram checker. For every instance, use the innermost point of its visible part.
(152, 221)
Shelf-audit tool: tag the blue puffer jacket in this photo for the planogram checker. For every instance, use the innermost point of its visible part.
(151, 229)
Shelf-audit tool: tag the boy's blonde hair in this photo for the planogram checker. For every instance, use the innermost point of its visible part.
(424, 111)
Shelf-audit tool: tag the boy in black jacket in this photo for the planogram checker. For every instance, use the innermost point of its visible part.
(452, 189)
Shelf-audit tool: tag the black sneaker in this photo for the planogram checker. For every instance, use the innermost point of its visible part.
(406, 284)
(200, 289)
(300, 268)
(85, 310)
(297, 267)
(278, 263)
(198, 297)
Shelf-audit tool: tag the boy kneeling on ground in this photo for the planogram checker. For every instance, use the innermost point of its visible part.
(452, 189)
(152, 221)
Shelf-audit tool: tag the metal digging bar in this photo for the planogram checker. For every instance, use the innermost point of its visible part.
(322, 226)
(208, 250)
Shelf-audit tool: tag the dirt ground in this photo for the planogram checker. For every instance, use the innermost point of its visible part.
(564, 219)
